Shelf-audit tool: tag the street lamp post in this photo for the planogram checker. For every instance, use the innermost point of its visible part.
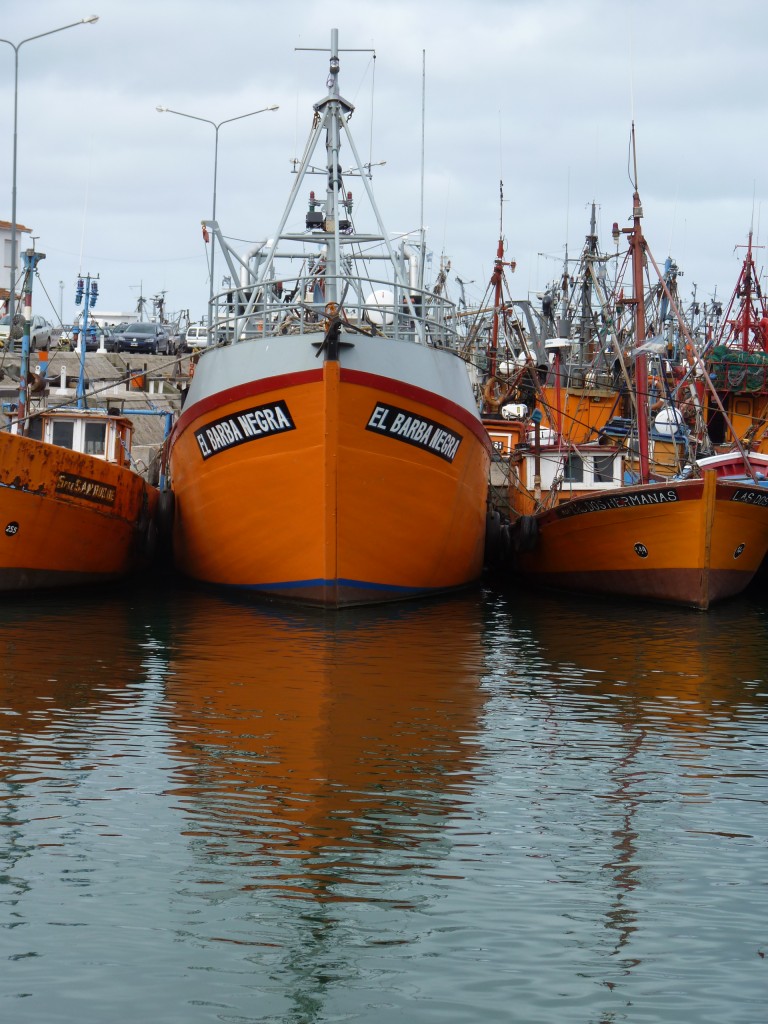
(215, 126)
(90, 20)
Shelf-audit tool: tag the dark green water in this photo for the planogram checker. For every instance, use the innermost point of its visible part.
(497, 808)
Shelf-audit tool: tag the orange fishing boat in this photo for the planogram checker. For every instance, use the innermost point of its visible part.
(73, 509)
(688, 542)
(597, 518)
(330, 449)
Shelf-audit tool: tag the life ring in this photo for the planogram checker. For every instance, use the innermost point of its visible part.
(496, 391)
(36, 382)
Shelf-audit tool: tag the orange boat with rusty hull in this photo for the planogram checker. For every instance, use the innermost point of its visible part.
(70, 516)
(330, 449)
(688, 542)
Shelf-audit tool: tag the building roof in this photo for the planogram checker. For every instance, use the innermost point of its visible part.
(5, 225)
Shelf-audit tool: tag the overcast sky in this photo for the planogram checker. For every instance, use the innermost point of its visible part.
(539, 94)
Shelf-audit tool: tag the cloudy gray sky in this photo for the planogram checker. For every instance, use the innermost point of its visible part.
(539, 94)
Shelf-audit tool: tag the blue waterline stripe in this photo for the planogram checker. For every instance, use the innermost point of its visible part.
(352, 584)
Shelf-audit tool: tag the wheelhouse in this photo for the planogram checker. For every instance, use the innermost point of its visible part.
(103, 435)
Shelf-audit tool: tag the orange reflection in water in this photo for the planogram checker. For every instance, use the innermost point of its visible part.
(61, 653)
(684, 669)
(640, 698)
(324, 733)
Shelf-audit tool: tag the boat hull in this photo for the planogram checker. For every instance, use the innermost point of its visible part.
(68, 518)
(352, 482)
(690, 543)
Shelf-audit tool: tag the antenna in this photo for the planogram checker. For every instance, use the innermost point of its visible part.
(373, 85)
(421, 208)
(633, 151)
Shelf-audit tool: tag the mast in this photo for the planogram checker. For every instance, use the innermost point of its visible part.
(747, 325)
(637, 250)
(332, 115)
(332, 146)
(746, 318)
(589, 258)
(496, 281)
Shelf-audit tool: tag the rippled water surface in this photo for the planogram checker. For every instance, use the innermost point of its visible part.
(503, 808)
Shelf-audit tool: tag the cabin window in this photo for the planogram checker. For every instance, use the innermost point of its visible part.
(63, 433)
(95, 434)
(603, 469)
(573, 470)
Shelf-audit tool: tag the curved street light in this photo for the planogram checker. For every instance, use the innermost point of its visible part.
(90, 20)
(215, 126)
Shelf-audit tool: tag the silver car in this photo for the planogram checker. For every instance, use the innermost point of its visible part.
(40, 332)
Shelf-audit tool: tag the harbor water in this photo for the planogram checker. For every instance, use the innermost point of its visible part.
(498, 807)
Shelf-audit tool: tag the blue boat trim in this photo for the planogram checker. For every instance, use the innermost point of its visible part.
(351, 584)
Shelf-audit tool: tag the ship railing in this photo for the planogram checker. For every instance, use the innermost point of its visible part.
(588, 379)
(301, 305)
(739, 372)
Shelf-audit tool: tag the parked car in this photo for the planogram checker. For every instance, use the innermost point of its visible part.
(40, 332)
(5, 330)
(143, 337)
(195, 338)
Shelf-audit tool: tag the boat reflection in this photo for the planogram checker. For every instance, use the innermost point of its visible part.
(59, 655)
(652, 693)
(319, 748)
(71, 686)
(670, 668)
